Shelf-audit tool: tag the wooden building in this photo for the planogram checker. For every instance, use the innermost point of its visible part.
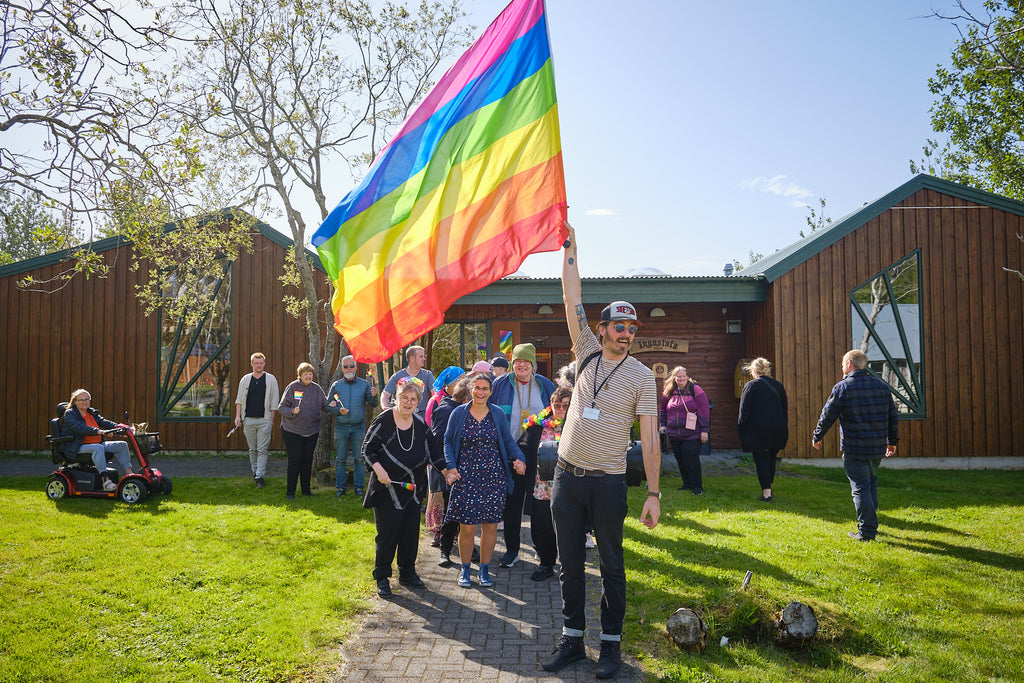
(92, 333)
(915, 278)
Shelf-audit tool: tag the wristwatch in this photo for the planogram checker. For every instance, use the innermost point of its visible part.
(654, 494)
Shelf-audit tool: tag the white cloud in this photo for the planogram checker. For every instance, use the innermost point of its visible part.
(781, 187)
(600, 212)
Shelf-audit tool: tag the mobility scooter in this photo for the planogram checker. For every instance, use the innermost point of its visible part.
(77, 476)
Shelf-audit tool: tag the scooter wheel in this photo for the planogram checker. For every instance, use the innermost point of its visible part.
(133, 490)
(56, 488)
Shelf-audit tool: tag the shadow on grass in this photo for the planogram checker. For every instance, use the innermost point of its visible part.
(986, 557)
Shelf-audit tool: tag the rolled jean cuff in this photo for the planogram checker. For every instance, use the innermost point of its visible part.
(573, 632)
(609, 636)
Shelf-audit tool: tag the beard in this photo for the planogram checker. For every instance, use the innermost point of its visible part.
(350, 376)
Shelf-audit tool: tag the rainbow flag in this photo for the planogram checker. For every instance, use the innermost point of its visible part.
(298, 395)
(470, 185)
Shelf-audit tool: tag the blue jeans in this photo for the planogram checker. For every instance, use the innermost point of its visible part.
(601, 502)
(346, 440)
(863, 476)
(98, 453)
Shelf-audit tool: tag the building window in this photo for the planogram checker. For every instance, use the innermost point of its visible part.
(886, 324)
(459, 343)
(195, 358)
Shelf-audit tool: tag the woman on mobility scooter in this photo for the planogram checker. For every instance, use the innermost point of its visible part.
(89, 427)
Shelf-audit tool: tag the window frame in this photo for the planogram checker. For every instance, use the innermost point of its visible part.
(169, 375)
(916, 406)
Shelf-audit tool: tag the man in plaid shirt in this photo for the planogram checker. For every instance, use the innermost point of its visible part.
(867, 430)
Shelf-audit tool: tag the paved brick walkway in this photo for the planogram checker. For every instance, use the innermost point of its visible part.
(448, 633)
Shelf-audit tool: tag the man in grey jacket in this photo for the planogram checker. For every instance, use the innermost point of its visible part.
(255, 407)
(347, 399)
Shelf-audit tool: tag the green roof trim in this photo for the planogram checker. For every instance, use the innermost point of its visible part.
(636, 290)
(781, 262)
(109, 243)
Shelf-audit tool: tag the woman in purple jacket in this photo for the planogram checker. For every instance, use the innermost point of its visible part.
(685, 415)
(302, 402)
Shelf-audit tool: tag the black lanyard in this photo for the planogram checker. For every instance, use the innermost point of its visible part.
(597, 366)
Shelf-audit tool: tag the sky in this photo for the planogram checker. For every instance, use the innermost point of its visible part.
(696, 132)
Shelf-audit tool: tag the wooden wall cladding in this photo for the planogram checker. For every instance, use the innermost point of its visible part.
(93, 334)
(973, 326)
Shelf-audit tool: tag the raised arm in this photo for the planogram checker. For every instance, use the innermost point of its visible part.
(572, 289)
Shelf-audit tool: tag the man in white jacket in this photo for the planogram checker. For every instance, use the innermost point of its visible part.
(255, 407)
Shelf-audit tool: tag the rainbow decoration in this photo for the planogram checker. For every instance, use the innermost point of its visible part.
(505, 343)
(297, 395)
(470, 185)
(405, 485)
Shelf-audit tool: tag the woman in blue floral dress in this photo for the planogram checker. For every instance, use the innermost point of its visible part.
(480, 452)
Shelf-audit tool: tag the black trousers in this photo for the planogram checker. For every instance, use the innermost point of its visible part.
(513, 515)
(543, 531)
(300, 460)
(449, 530)
(397, 530)
(765, 461)
(687, 454)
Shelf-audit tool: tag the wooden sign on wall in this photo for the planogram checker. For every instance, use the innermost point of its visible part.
(652, 344)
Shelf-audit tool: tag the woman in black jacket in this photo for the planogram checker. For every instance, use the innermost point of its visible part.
(763, 422)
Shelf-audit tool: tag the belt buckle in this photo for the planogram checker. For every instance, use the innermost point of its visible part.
(578, 471)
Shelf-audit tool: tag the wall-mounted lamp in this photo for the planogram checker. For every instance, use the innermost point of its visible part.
(657, 313)
(545, 310)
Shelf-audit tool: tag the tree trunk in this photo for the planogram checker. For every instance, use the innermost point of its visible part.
(796, 626)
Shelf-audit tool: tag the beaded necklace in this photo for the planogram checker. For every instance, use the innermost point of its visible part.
(544, 419)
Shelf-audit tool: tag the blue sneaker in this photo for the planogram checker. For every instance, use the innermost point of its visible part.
(485, 576)
(464, 580)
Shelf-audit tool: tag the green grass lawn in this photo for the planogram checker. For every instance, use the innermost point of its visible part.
(223, 582)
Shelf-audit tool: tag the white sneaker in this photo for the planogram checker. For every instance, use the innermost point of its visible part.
(109, 486)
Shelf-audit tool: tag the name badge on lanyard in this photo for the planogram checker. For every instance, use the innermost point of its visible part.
(591, 413)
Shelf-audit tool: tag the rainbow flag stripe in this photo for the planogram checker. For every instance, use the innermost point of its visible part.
(297, 395)
(470, 185)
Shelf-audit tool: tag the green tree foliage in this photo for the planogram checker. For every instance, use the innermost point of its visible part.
(29, 229)
(288, 96)
(980, 101)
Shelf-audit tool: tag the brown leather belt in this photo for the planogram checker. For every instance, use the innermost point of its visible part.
(579, 471)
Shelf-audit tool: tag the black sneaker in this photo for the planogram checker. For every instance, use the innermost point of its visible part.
(698, 492)
(446, 559)
(412, 581)
(570, 649)
(856, 535)
(259, 482)
(610, 660)
(541, 573)
(384, 588)
(339, 493)
(509, 559)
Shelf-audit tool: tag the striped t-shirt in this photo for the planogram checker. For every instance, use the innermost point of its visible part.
(630, 392)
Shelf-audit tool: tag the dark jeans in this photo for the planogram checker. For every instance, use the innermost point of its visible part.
(688, 458)
(300, 460)
(396, 530)
(863, 476)
(600, 502)
(543, 531)
(764, 461)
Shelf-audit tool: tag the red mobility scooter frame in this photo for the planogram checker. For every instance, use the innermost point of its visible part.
(76, 476)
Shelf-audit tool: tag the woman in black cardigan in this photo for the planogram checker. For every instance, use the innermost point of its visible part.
(397, 448)
(763, 422)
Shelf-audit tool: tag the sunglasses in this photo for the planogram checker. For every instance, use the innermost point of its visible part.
(622, 328)
(348, 367)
